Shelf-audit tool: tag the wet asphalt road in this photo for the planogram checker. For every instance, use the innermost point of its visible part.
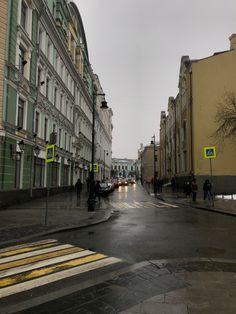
(140, 234)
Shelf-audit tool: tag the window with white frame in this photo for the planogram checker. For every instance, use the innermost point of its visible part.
(22, 59)
(20, 113)
(36, 122)
(69, 144)
(45, 134)
(65, 142)
(59, 138)
(23, 17)
(47, 87)
(55, 96)
(49, 50)
(61, 103)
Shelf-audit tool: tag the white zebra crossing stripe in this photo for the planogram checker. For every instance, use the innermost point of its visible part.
(48, 262)
(135, 204)
(26, 245)
(167, 204)
(56, 276)
(34, 253)
(36, 267)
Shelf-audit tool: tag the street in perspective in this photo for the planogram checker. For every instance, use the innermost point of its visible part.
(103, 211)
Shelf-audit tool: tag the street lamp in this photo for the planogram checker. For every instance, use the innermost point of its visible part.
(154, 164)
(105, 154)
(91, 200)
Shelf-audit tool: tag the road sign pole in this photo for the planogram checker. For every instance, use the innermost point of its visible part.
(47, 196)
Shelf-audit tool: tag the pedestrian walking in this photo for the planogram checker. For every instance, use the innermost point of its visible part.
(88, 184)
(207, 190)
(173, 184)
(187, 189)
(78, 187)
(97, 190)
(194, 189)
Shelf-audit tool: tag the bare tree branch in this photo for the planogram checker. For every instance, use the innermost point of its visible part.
(225, 118)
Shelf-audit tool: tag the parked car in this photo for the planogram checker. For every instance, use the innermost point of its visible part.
(104, 189)
(111, 186)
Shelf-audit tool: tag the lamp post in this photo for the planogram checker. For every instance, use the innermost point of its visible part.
(91, 200)
(105, 154)
(154, 163)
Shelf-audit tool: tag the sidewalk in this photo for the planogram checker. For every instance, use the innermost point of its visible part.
(65, 211)
(224, 206)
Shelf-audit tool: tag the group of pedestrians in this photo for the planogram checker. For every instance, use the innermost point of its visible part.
(191, 189)
(96, 188)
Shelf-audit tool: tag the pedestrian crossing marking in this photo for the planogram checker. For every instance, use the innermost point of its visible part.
(28, 285)
(170, 205)
(34, 253)
(135, 204)
(7, 281)
(11, 248)
(33, 259)
(23, 250)
(46, 265)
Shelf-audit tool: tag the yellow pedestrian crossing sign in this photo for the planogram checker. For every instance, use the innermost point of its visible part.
(209, 152)
(50, 152)
(95, 167)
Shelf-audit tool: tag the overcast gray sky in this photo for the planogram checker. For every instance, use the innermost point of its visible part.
(135, 47)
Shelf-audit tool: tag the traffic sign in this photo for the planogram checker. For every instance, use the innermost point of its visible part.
(95, 167)
(209, 152)
(50, 152)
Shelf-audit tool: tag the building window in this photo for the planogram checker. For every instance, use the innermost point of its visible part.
(55, 96)
(39, 166)
(37, 115)
(65, 140)
(47, 87)
(65, 174)
(39, 77)
(23, 20)
(20, 117)
(22, 55)
(59, 138)
(40, 38)
(69, 143)
(61, 103)
(45, 129)
(54, 176)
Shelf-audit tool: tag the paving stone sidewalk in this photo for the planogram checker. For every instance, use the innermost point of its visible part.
(208, 288)
(65, 211)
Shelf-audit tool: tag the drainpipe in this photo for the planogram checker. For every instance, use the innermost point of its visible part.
(191, 122)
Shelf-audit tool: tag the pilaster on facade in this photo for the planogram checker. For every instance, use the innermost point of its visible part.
(3, 45)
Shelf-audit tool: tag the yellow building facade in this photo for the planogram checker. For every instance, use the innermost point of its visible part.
(204, 85)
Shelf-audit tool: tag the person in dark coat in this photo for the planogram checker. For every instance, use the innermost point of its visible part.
(78, 187)
(97, 190)
(207, 189)
(187, 189)
(194, 189)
